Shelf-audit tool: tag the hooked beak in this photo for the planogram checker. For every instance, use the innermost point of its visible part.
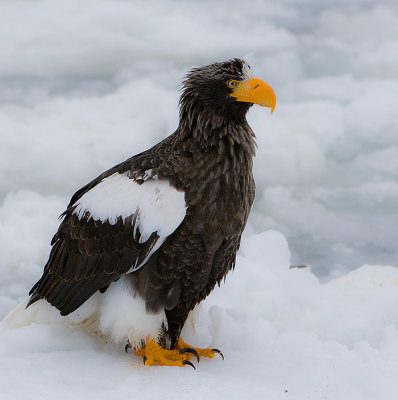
(255, 91)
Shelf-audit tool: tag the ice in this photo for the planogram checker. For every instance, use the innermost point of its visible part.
(86, 85)
(89, 82)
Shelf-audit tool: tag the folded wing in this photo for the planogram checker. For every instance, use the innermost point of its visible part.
(112, 227)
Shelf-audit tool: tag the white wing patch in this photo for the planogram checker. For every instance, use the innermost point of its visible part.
(160, 207)
(148, 175)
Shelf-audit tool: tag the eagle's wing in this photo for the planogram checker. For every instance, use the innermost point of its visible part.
(111, 227)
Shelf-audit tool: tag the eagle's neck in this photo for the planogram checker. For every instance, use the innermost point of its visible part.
(217, 179)
(207, 127)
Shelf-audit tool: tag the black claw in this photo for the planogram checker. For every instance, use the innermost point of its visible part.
(185, 362)
(144, 359)
(218, 352)
(128, 346)
(190, 350)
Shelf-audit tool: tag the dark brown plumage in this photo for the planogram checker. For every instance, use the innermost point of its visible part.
(209, 159)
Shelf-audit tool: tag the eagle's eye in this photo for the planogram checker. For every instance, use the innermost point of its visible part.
(232, 83)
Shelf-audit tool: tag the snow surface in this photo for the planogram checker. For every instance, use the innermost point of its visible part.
(85, 85)
(283, 333)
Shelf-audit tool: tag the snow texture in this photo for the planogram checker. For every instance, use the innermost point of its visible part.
(86, 85)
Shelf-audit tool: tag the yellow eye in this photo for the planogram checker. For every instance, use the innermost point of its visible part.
(232, 83)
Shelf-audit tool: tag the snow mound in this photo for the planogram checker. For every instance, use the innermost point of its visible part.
(281, 330)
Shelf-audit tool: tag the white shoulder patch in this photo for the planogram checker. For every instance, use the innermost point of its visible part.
(160, 207)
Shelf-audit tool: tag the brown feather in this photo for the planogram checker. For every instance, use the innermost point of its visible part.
(209, 158)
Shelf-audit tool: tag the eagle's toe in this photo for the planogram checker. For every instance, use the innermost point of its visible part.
(185, 348)
(154, 354)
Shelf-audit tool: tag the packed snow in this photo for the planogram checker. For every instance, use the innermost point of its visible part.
(86, 85)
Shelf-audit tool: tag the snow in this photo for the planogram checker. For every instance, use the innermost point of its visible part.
(81, 86)
(279, 329)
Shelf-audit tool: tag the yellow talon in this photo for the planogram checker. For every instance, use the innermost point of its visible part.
(201, 352)
(153, 353)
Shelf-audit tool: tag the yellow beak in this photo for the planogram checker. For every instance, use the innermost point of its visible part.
(255, 91)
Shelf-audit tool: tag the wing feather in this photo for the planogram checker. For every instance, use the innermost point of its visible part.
(111, 227)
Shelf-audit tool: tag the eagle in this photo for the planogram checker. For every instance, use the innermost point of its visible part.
(151, 237)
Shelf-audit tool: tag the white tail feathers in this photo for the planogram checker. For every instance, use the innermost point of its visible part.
(41, 312)
(19, 317)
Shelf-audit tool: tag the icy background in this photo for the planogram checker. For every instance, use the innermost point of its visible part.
(84, 85)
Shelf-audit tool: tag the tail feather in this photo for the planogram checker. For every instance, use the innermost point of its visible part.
(42, 312)
(33, 298)
(19, 316)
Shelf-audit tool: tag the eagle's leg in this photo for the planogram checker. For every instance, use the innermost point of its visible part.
(207, 352)
(153, 354)
(175, 320)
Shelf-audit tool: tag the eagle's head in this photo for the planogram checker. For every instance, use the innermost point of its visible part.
(224, 90)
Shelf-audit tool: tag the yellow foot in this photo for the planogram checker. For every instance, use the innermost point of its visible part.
(210, 353)
(153, 354)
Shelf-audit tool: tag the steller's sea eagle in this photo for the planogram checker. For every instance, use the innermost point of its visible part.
(154, 234)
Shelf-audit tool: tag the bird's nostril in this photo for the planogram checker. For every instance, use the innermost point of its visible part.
(256, 86)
